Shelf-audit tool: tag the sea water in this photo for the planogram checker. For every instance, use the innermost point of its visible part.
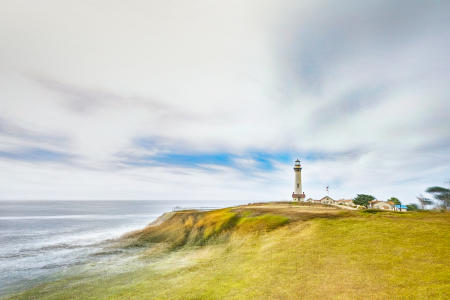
(41, 238)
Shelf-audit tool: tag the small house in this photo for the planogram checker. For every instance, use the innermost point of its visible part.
(386, 205)
(346, 202)
(327, 200)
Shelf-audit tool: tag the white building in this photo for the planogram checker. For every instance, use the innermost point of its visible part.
(327, 200)
(386, 205)
(346, 202)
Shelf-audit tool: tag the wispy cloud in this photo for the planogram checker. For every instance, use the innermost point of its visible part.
(35, 155)
(9, 129)
(160, 107)
(84, 100)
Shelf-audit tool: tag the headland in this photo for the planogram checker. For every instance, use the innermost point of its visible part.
(279, 250)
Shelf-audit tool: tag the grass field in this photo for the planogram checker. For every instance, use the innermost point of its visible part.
(277, 251)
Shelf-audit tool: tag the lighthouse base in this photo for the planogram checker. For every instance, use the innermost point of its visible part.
(298, 197)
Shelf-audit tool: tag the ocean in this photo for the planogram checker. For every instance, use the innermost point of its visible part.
(39, 239)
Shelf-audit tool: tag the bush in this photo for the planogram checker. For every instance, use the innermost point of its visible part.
(363, 199)
(412, 207)
(371, 211)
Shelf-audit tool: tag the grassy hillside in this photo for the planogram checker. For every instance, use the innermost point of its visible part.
(277, 251)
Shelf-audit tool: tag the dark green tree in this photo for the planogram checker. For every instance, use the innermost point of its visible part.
(441, 194)
(395, 200)
(424, 201)
(362, 199)
(412, 207)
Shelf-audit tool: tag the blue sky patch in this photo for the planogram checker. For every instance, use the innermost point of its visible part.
(263, 161)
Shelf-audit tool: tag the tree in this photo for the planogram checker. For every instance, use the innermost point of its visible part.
(395, 200)
(411, 207)
(424, 201)
(441, 194)
(362, 199)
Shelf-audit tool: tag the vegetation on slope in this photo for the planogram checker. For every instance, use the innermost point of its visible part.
(196, 228)
(280, 252)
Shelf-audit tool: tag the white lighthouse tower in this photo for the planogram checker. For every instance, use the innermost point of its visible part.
(298, 194)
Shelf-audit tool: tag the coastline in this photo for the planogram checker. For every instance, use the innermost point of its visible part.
(41, 245)
(268, 250)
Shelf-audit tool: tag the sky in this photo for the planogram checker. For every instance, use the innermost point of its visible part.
(202, 100)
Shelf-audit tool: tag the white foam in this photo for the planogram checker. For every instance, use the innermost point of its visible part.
(78, 217)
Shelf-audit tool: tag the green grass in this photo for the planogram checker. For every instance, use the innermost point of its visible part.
(258, 223)
(279, 252)
(193, 228)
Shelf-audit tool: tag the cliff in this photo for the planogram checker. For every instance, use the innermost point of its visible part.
(275, 251)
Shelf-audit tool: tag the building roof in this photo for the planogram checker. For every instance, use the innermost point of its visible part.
(375, 201)
(298, 195)
(385, 202)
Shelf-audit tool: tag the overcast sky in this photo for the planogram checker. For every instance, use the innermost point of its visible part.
(216, 99)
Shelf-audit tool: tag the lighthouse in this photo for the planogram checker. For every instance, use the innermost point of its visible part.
(298, 194)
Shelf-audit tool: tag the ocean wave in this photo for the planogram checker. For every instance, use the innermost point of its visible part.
(78, 217)
(108, 252)
(62, 265)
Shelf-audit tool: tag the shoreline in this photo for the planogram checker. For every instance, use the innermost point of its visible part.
(245, 247)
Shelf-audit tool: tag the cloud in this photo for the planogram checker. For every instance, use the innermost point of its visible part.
(34, 155)
(372, 37)
(156, 100)
(84, 100)
(8, 129)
